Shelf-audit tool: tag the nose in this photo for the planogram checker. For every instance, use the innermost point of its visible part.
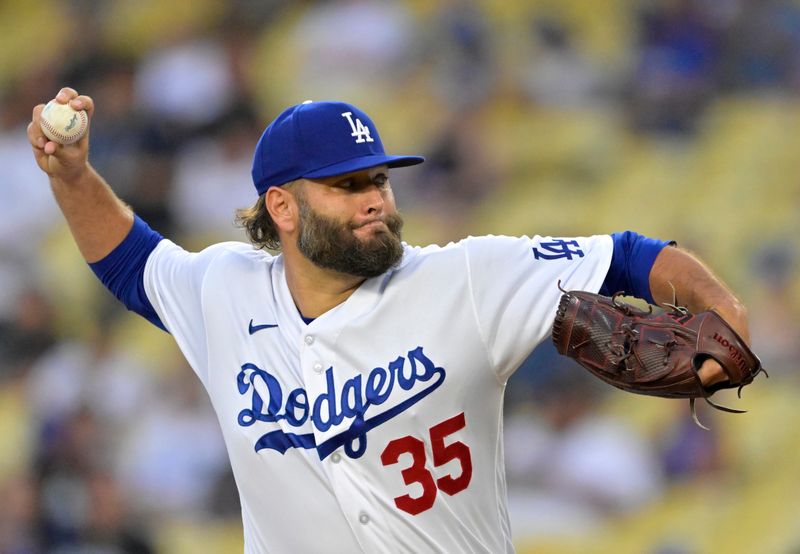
(373, 200)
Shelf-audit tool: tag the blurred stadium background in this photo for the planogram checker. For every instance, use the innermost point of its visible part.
(675, 118)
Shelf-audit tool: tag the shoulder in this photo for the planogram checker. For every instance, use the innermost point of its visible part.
(230, 248)
(536, 247)
(434, 253)
(416, 256)
(453, 255)
(235, 257)
(495, 252)
(223, 254)
(233, 250)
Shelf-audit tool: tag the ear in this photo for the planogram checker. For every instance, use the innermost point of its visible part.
(283, 209)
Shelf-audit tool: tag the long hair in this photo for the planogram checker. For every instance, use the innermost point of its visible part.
(257, 222)
(258, 225)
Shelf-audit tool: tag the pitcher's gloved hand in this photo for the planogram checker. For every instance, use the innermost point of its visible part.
(651, 353)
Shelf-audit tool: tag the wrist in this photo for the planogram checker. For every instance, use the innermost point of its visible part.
(735, 314)
(71, 177)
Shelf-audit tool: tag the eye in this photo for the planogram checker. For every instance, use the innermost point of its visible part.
(381, 179)
(345, 184)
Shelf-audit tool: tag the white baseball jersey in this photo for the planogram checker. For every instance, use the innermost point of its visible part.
(378, 426)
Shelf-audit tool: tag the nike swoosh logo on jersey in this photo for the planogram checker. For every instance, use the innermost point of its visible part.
(254, 328)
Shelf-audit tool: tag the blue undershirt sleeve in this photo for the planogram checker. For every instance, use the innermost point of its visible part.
(122, 271)
(631, 263)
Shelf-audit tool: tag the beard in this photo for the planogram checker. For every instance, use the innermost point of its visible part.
(332, 244)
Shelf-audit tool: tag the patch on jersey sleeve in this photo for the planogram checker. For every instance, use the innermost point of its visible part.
(557, 249)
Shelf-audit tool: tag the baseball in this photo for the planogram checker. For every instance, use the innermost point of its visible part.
(62, 124)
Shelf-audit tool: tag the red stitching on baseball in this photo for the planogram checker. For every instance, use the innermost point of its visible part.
(60, 136)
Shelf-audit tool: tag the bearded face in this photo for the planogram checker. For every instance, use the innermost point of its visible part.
(332, 244)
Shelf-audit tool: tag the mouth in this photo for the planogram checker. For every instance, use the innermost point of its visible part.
(371, 225)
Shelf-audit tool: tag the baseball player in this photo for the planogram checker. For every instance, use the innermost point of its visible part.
(358, 380)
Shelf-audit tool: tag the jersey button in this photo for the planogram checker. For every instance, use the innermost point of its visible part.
(309, 339)
(336, 457)
(363, 518)
(318, 367)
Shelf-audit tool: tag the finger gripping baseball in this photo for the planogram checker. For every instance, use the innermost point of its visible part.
(656, 354)
(62, 124)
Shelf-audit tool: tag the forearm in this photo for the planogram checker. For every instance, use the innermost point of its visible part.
(97, 218)
(695, 287)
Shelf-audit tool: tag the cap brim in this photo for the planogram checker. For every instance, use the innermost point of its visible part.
(363, 162)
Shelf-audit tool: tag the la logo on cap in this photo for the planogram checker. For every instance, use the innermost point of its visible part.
(360, 131)
(309, 140)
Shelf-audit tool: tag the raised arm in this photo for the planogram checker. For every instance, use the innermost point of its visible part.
(677, 275)
(97, 218)
(114, 242)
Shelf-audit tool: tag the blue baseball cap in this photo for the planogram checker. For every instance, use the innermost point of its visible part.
(319, 139)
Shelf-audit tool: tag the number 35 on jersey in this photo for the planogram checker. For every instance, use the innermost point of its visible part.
(417, 472)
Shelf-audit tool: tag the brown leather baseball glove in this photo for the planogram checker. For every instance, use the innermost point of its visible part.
(654, 353)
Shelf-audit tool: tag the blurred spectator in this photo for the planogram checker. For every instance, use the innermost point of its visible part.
(677, 66)
(174, 455)
(350, 49)
(29, 333)
(92, 372)
(773, 318)
(224, 498)
(132, 141)
(27, 210)
(81, 507)
(558, 74)
(108, 527)
(462, 54)
(186, 84)
(458, 172)
(198, 81)
(689, 452)
(212, 177)
(570, 466)
(18, 434)
(70, 452)
(150, 197)
(119, 127)
(762, 46)
(18, 525)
